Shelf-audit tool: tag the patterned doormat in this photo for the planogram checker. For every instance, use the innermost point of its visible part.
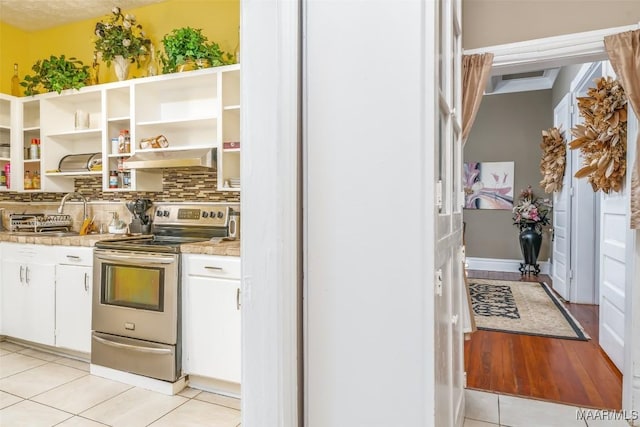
(528, 308)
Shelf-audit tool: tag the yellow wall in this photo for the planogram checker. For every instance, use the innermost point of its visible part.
(219, 20)
(12, 50)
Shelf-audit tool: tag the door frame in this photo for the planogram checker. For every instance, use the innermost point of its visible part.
(573, 49)
(585, 228)
(270, 240)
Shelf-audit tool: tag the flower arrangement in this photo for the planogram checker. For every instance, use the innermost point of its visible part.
(121, 35)
(531, 210)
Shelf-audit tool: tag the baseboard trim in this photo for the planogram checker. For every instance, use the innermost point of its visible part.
(147, 383)
(507, 265)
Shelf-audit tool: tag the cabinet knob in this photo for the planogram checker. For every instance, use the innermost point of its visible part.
(238, 299)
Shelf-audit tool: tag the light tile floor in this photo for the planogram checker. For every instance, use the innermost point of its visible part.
(485, 409)
(38, 389)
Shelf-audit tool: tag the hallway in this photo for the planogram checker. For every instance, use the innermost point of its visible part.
(559, 370)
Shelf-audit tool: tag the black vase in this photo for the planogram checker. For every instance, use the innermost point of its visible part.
(530, 242)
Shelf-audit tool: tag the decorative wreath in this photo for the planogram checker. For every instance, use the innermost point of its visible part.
(553, 161)
(602, 138)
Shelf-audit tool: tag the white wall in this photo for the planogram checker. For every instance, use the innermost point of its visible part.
(369, 352)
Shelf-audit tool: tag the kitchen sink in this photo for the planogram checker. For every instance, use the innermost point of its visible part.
(45, 233)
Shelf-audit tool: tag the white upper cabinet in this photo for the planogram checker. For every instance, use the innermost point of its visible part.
(62, 136)
(229, 133)
(5, 132)
(195, 112)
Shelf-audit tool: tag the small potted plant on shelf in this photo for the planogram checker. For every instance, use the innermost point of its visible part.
(122, 41)
(188, 49)
(56, 73)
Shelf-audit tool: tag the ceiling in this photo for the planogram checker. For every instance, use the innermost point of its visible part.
(35, 15)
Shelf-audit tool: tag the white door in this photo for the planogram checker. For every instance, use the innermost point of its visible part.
(73, 307)
(374, 319)
(448, 263)
(562, 207)
(613, 238)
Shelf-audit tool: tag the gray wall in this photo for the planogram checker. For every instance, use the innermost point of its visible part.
(563, 83)
(493, 22)
(508, 128)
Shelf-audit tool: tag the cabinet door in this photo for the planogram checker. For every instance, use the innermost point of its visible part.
(73, 307)
(13, 299)
(39, 314)
(213, 328)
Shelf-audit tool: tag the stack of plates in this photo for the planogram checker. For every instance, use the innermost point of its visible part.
(234, 182)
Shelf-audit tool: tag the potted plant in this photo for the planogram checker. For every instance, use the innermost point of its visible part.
(121, 39)
(56, 73)
(187, 48)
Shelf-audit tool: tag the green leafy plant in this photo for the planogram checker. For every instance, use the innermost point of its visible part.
(120, 35)
(186, 44)
(56, 73)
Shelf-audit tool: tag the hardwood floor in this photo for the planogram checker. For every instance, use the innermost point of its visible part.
(566, 371)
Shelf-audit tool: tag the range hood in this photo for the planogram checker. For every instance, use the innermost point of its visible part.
(172, 158)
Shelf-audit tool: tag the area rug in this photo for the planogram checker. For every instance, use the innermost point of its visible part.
(528, 308)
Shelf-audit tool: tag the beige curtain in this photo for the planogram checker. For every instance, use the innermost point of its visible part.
(475, 73)
(624, 53)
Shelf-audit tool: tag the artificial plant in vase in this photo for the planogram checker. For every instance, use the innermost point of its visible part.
(56, 73)
(120, 39)
(187, 48)
(530, 215)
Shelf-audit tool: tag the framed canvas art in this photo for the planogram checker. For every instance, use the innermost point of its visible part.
(488, 185)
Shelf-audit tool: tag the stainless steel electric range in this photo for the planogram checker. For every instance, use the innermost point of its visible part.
(136, 306)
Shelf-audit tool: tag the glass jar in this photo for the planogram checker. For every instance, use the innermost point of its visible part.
(35, 181)
(28, 183)
(113, 179)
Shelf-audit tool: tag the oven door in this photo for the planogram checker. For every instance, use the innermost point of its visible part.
(138, 295)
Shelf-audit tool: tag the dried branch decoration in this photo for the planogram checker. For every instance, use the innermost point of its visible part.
(602, 138)
(554, 152)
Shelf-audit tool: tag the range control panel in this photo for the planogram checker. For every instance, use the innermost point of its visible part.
(200, 215)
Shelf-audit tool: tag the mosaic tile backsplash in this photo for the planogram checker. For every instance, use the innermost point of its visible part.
(179, 185)
(188, 184)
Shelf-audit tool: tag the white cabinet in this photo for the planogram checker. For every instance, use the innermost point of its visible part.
(28, 292)
(29, 116)
(6, 123)
(211, 316)
(60, 137)
(74, 284)
(197, 111)
(229, 132)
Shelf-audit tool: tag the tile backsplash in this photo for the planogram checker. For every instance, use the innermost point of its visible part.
(186, 184)
(178, 185)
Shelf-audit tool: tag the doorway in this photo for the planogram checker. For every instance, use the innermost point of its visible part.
(591, 295)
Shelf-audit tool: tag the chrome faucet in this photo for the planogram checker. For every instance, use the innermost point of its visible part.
(69, 195)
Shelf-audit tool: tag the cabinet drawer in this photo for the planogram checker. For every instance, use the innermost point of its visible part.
(72, 255)
(211, 266)
(26, 252)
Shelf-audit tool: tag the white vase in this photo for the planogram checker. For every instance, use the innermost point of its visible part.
(121, 67)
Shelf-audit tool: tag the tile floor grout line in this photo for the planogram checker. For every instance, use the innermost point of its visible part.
(112, 397)
(162, 416)
(60, 385)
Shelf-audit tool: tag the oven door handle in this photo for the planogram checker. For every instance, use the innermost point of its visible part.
(135, 260)
(132, 347)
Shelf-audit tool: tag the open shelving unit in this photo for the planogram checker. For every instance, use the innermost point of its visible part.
(197, 111)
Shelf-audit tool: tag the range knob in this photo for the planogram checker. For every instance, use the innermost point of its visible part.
(220, 214)
(205, 214)
(159, 213)
(165, 213)
(212, 214)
